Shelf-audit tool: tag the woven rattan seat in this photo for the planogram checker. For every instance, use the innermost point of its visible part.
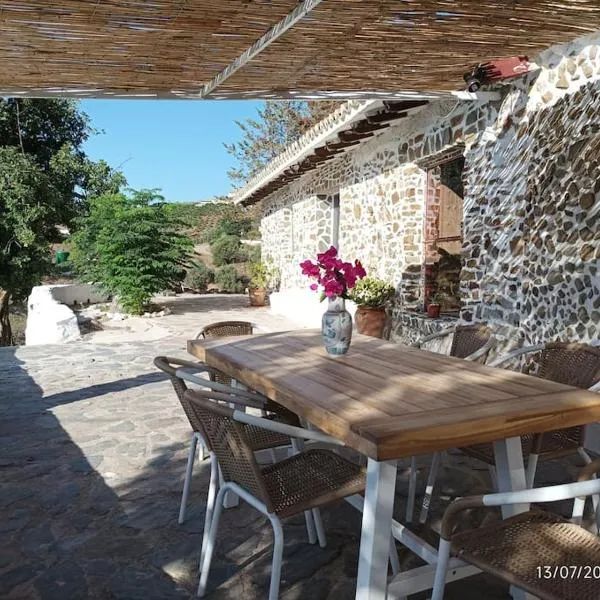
(225, 329)
(259, 439)
(515, 548)
(311, 479)
(569, 363)
(468, 339)
(300, 483)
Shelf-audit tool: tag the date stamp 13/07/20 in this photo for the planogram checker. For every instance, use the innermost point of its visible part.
(568, 572)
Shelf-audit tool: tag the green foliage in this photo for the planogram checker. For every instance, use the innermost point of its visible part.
(198, 276)
(30, 207)
(129, 244)
(228, 226)
(262, 276)
(228, 280)
(253, 254)
(45, 180)
(278, 124)
(371, 292)
(226, 249)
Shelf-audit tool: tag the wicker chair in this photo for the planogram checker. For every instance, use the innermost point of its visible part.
(573, 364)
(302, 482)
(180, 371)
(469, 342)
(537, 551)
(225, 329)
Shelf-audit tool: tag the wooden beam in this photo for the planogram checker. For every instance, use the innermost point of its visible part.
(263, 42)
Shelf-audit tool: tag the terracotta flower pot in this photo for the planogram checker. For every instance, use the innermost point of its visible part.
(258, 296)
(370, 321)
(433, 310)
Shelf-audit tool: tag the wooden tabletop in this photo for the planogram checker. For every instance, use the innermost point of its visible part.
(390, 401)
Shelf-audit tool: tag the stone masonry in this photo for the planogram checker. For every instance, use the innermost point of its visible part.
(532, 192)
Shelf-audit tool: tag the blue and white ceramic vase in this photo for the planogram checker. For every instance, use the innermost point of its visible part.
(336, 327)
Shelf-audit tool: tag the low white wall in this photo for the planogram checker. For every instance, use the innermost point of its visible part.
(302, 306)
(49, 319)
(82, 293)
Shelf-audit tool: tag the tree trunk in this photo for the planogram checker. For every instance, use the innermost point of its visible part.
(6, 338)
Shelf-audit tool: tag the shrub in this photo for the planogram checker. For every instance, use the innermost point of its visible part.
(263, 276)
(253, 254)
(198, 276)
(225, 250)
(372, 292)
(131, 247)
(228, 279)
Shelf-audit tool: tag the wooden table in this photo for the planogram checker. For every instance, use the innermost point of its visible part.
(390, 401)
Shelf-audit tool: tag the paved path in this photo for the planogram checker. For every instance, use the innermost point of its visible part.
(93, 447)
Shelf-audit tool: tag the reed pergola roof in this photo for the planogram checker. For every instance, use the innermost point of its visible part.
(176, 48)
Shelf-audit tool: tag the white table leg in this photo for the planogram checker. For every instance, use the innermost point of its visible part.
(371, 583)
(510, 472)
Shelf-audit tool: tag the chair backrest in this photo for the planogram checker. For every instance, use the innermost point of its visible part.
(229, 441)
(169, 366)
(226, 328)
(468, 339)
(570, 363)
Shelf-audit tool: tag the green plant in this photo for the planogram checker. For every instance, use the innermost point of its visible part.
(198, 276)
(261, 275)
(253, 254)
(371, 292)
(130, 245)
(226, 250)
(228, 280)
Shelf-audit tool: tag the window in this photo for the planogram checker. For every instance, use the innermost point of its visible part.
(443, 233)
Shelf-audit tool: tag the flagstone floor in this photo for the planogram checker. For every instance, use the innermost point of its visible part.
(93, 445)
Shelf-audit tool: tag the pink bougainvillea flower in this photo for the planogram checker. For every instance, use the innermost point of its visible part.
(332, 274)
(359, 269)
(309, 268)
(333, 288)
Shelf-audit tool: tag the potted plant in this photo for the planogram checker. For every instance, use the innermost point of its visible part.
(260, 275)
(371, 296)
(434, 307)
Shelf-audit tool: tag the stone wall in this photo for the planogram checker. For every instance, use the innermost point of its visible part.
(532, 240)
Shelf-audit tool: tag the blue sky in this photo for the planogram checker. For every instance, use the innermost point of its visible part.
(176, 146)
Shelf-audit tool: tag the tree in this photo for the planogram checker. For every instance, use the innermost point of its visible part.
(226, 249)
(130, 246)
(46, 180)
(279, 124)
(29, 209)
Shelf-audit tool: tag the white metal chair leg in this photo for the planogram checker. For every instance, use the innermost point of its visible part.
(210, 504)
(188, 476)
(439, 583)
(231, 500)
(277, 557)
(595, 498)
(431, 478)
(202, 451)
(532, 463)
(394, 560)
(316, 513)
(412, 489)
(210, 543)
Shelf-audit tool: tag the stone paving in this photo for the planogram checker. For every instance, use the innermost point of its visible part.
(93, 446)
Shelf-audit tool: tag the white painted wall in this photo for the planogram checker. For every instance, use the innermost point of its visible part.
(302, 306)
(49, 319)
